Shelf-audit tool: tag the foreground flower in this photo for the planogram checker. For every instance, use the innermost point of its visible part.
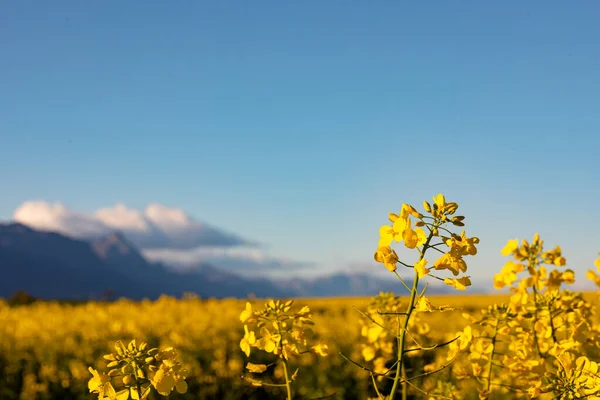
(138, 370)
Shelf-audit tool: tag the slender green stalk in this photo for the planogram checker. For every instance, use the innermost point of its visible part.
(288, 382)
(402, 341)
(404, 383)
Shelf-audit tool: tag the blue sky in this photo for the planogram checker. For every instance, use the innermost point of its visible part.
(302, 124)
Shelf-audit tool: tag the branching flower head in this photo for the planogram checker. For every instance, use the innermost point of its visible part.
(441, 216)
(134, 370)
(278, 330)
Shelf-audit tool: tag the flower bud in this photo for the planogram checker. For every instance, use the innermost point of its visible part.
(426, 206)
(153, 351)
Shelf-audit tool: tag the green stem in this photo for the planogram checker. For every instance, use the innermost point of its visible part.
(288, 383)
(404, 383)
(402, 341)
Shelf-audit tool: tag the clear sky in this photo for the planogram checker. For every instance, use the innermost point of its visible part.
(300, 125)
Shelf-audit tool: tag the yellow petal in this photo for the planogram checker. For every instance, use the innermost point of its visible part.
(256, 368)
(510, 247)
(458, 284)
(247, 313)
(181, 387)
(440, 200)
(421, 269)
(421, 236)
(165, 384)
(320, 349)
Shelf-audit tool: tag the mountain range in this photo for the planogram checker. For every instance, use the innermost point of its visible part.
(50, 265)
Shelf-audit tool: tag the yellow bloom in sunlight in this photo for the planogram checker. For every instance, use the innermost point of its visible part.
(421, 236)
(439, 201)
(469, 244)
(407, 210)
(386, 235)
(510, 247)
(165, 380)
(247, 313)
(423, 304)
(268, 341)
(410, 236)
(399, 227)
(97, 381)
(387, 256)
(568, 277)
(256, 368)
(247, 341)
(458, 284)
(100, 383)
(420, 268)
(507, 275)
(320, 349)
(451, 262)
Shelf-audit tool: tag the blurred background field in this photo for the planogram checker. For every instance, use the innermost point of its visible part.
(46, 347)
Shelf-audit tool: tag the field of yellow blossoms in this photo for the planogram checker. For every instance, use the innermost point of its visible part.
(539, 341)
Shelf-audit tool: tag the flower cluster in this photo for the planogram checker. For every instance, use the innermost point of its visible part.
(532, 258)
(537, 343)
(134, 370)
(441, 214)
(278, 330)
(379, 341)
(390, 347)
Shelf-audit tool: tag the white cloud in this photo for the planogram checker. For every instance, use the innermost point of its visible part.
(122, 218)
(56, 217)
(162, 233)
(157, 226)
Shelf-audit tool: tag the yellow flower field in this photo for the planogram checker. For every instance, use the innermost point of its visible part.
(45, 348)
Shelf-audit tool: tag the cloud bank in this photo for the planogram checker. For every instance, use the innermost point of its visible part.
(163, 234)
(157, 226)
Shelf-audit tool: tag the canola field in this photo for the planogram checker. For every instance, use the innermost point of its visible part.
(46, 348)
(540, 341)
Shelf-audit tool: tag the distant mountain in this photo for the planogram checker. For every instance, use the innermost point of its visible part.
(53, 266)
(50, 265)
